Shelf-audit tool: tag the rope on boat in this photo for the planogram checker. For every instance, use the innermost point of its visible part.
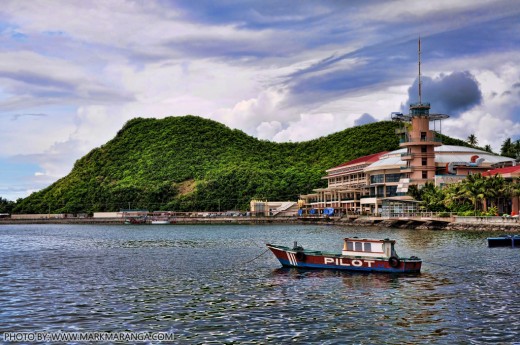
(256, 257)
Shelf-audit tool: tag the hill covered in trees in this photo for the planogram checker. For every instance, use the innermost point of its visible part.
(189, 163)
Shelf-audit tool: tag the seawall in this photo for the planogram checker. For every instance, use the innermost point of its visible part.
(361, 221)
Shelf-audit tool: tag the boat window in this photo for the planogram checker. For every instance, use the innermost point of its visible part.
(350, 246)
(359, 247)
(368, 247)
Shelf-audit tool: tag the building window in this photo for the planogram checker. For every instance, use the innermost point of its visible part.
(392, 177)
(423, 136)
(350, 246)
(377, 178)
(359, 246)
(423, 161)
(391, 190)
(368, 247)
(424, 174)
(423, 149)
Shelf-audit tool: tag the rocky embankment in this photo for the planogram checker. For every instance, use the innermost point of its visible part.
(434, 225)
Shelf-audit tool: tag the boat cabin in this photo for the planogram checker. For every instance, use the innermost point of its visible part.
(368, 247)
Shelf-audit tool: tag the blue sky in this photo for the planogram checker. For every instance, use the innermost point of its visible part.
(73, 72)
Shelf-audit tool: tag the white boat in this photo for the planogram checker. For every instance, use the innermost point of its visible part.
(160, 222)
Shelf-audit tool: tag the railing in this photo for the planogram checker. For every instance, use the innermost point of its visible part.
(373, 196)
(420, 105)
(487, 219)
(417, 154)
(420, 140)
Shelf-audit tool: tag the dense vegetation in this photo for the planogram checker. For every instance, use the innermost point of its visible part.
(475, 195)
(510, 149)
(190, 163)
(6, 206)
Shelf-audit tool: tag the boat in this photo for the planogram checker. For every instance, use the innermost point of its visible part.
(160, 222)
(504, 241)
(369, 255)
(135, 220)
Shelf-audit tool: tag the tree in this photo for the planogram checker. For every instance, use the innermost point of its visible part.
(506, 149)
(516, 150)
(495, 188)
(472, 140)
(6, 206)
(510, 148)
(488, 148)
(433, 197)
(473, 188)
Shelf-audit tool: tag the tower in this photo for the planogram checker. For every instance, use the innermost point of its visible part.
(419, 140)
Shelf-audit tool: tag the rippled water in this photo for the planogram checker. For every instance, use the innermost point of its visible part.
(204, 284)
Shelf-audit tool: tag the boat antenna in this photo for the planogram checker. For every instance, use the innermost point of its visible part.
(420, 82)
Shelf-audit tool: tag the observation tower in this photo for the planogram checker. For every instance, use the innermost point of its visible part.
(419, 141)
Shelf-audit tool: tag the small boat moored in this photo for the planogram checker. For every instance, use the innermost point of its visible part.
(160, 222)
(358, 254)
(504, 241)
(135, 220)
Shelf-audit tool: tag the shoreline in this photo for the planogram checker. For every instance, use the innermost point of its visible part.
(369, 221)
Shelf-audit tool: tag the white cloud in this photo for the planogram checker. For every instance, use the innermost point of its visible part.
(495, 119)
(267, 130)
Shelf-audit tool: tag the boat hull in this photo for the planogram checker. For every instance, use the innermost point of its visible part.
(319, 260)
(504, 241)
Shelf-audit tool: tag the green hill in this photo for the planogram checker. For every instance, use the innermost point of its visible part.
(189, 163)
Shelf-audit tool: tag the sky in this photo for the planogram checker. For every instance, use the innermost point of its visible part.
(72, 73)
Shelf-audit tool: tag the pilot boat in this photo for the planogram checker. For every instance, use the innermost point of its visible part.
(358, 254)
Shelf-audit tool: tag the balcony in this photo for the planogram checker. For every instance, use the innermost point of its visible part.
(407, 156)
(420, 140)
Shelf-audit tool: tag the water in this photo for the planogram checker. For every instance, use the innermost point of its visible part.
(203, 284)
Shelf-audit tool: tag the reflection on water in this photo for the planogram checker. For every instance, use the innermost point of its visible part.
(201, 283)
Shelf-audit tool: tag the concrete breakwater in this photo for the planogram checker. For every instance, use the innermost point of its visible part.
(360, 221)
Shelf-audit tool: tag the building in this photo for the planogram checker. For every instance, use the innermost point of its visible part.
(344, 190)
(361, 185)
(264, 208)
(510, 174)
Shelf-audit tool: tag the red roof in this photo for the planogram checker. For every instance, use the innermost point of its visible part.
(502, 171)
(365, 159)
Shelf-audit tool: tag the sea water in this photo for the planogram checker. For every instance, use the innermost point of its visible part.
(217, 284)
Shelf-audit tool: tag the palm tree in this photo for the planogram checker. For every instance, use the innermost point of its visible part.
(453, 196)
(433, 197)
(473, 188)
(488, 148)
(506, 149)
(472, 140)
(495, 188)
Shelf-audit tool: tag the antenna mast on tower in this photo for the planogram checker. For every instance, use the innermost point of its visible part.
(420, 82)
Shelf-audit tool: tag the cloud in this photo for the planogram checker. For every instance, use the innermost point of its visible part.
(364, 119)
(450, 94)
(15, 117)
